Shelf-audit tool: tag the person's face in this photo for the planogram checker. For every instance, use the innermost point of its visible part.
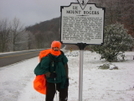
(55, 48)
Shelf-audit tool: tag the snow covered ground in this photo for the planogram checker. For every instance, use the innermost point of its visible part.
(98, 85)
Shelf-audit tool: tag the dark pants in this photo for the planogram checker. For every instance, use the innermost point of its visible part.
(51, 90)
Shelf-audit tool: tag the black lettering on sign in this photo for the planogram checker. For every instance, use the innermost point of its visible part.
(82, 28)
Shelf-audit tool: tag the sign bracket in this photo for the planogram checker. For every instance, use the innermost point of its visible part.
(81, 45)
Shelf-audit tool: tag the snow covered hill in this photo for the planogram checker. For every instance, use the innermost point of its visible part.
(98, 85)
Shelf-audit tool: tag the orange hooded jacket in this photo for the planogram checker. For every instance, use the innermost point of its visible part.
(39, 82)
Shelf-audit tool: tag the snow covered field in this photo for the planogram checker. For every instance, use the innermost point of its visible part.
(98, 85)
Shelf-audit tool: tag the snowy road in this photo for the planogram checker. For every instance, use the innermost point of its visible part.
(98, 85)
(12, 57)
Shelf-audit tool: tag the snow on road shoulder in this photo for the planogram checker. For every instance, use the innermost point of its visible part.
(14, 79)
(98, 85)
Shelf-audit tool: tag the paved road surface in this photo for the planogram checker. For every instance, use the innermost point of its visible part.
(10, 58)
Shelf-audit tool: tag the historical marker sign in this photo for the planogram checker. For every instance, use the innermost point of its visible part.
(82, 25)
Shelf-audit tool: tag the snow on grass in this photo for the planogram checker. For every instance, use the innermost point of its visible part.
(98, 85)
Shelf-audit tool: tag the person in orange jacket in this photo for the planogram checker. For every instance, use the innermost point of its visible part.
(53, 65)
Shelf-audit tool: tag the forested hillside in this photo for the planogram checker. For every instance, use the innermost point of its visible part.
(45, 32)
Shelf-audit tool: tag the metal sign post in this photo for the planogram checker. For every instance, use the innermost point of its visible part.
(81, 47)
(82, 24)
(81, 75)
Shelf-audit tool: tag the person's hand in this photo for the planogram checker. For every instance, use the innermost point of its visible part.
(48, 74)
(53, 75)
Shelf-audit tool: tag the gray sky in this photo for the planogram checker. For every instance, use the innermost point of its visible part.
(30, 12)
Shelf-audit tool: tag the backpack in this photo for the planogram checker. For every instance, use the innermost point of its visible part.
(39, 82)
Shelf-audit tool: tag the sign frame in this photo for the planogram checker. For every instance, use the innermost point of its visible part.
(88, 43)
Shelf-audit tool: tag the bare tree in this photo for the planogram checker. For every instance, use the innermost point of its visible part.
(39, 38)
(31, 43)
(128, 15)
(4, 35)
(17, 30)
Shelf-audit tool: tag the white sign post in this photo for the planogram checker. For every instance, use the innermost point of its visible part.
(82, 24)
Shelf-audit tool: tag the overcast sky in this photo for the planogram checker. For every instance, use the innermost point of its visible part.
(30, 12)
